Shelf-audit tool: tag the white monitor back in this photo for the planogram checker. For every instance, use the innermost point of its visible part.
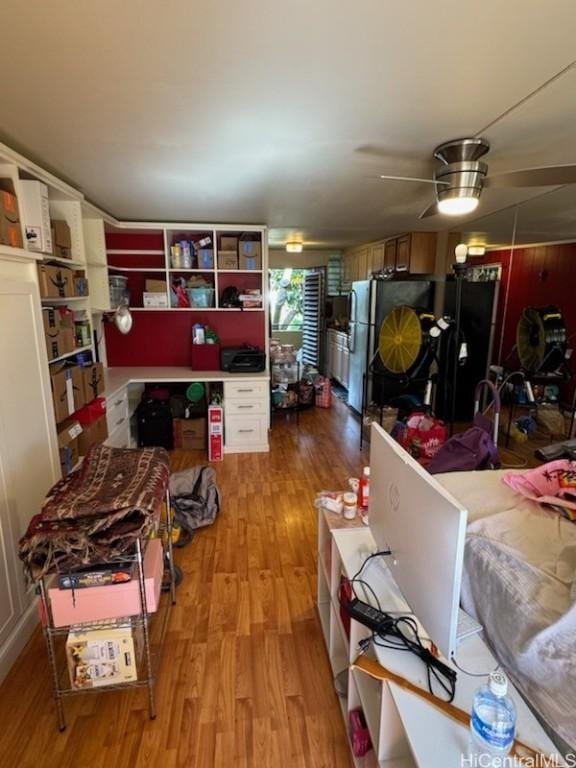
(425, 528)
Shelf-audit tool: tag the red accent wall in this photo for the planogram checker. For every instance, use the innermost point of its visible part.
(532, 277)
(165, 337)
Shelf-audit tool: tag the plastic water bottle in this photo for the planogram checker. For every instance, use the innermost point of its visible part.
(492, 724)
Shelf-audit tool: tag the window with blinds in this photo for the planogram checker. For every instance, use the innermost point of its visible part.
(313, 319)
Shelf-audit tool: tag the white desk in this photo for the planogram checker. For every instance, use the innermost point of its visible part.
(405, 730)
(246, 402)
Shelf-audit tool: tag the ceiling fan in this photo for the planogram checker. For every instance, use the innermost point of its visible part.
(461, 176)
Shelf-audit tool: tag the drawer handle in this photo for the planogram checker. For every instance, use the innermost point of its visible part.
(245, 390)
(245, 430)
(118, 402)
(120, 422)
(245, 406)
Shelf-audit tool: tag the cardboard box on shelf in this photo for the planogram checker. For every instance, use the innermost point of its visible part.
(156, 286)
(36, 216)
(80, 283)
(100, 657)
(113, 601)
(54, 343)
(67, 390)
(61, 239)
(251, 261)
(67, 330)
(251, 298)
(215, 433)
(190, 434)
(154, 299)
(93, 381)
(55, 281)
(250, 248)
(227, 260)
(68, 436)
(228, 243)
(92, 433)
(51, 319)
(10, 229)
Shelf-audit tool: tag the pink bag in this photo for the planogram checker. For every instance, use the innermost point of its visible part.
(323, 390)
(553, 484)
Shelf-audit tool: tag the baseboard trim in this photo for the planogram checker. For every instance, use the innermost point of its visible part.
(17, 639)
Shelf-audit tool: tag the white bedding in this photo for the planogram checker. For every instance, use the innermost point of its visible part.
(519, 581)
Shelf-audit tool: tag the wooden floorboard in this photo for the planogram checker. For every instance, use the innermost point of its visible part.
(244, 679)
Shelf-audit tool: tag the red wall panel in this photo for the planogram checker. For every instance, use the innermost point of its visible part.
(164, 337)
(538, 276)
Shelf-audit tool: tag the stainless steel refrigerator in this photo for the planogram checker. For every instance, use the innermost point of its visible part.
(370, 302)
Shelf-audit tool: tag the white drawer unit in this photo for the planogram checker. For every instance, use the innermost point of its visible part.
(246, 432)
(245, 407)
(117, 411)
(246, 416)
(120, 437)
(245, 390)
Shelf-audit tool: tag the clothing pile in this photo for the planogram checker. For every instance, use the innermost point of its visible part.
(97, 512)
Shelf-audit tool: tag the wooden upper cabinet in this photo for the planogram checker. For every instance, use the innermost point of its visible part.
(422, 259)
(415, 252)
(376, 260)
(390, 253)
(362, 262)
(403, 252)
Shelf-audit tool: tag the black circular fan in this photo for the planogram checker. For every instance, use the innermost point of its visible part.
(541, 339)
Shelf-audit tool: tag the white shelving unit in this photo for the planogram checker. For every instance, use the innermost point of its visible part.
(166, 272)
(405, 730)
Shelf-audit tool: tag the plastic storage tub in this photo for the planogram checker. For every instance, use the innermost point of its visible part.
(118, 292)
(201, 297)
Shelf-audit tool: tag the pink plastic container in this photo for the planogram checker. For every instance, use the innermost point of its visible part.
(112, 601)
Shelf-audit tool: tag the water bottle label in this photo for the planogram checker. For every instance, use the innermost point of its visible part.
(499, 736)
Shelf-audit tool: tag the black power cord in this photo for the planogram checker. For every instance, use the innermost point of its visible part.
(400, 633)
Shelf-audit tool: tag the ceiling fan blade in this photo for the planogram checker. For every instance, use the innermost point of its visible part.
(547, 176)
(412, 178)
(432, 210)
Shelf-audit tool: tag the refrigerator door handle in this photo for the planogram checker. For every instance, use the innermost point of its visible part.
(352, 314)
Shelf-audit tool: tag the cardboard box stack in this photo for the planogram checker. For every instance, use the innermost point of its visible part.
(10, 229)
(92, 417)
(92, 381)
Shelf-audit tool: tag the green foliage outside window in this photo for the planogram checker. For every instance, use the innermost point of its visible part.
(286, 299)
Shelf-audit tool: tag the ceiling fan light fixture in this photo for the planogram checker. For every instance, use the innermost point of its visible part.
(293, 246)
(457, 205)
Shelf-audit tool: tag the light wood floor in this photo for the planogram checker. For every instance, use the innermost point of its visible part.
(245, 679)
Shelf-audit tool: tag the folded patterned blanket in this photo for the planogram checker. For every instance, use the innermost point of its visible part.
(98, 512)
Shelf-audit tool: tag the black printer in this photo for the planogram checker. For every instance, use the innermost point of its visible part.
(244, 359)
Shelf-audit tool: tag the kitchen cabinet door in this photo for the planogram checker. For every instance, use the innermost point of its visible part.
(403, 252)
(362, 261)
(377, 257)
(390, 253)
(422, 253)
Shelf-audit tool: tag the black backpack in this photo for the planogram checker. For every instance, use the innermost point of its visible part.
(230, 297)
(155, 424)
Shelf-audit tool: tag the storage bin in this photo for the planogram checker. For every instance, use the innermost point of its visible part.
(206, 357)
(201, 297)
(118, 293)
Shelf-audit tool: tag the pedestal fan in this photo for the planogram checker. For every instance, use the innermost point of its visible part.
(541, 339)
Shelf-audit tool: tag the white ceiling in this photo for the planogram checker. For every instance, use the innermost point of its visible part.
(252, 111)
